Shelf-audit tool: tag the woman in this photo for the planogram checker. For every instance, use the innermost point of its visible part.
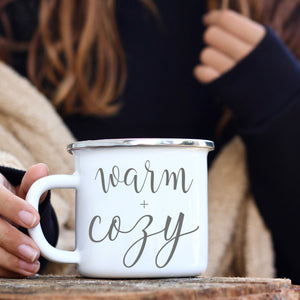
(133, 84)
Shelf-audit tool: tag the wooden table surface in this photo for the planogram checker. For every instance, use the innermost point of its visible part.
(74, 287)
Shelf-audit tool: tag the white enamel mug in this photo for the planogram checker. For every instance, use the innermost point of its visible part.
(141, 208)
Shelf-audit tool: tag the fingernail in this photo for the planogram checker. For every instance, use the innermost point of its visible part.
(31, 268)
(27, 218)
(28, 252)
(44, 165)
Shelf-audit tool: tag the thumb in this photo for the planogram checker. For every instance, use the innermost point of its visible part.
(34, 173)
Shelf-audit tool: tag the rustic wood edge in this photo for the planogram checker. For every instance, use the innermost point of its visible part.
(76, 287)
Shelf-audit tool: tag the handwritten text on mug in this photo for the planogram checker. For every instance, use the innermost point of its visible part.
(139, 245)
(130, 177)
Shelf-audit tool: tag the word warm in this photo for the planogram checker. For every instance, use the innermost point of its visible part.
(139, 180)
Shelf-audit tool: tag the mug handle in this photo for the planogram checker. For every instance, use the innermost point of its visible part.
(33, 197)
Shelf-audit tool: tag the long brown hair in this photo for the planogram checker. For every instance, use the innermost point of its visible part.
(76, 57)
(82, 59)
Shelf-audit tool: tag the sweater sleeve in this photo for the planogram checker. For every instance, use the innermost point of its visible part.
(49, 221)
(263, 91)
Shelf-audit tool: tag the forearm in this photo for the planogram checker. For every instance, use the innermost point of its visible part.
(263, 91)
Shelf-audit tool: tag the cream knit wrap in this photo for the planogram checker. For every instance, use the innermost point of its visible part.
(31, 132)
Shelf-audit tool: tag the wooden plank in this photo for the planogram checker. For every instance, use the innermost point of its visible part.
(75, 287)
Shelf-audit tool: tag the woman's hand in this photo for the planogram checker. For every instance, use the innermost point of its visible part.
(18, 252)
(229, 38)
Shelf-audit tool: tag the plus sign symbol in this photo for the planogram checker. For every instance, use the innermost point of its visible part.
(144, 204)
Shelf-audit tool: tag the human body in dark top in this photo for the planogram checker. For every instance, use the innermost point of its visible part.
(244, 66)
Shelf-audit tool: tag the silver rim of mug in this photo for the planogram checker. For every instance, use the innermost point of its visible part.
(140, 142)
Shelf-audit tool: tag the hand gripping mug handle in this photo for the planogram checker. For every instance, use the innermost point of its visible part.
(33, 197)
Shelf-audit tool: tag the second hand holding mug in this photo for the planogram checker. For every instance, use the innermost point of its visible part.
(141, 208)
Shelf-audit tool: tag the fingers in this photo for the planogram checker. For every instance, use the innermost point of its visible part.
(229, 37)
(13, 207)
(226, 43)
(206, 74)
(12, 265)
(17, 243)
(216, 59)
(33, 173)
(236, 24)
(18, 252)
(16, 210)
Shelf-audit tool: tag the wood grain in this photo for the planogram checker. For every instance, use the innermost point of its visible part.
(75, 287)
